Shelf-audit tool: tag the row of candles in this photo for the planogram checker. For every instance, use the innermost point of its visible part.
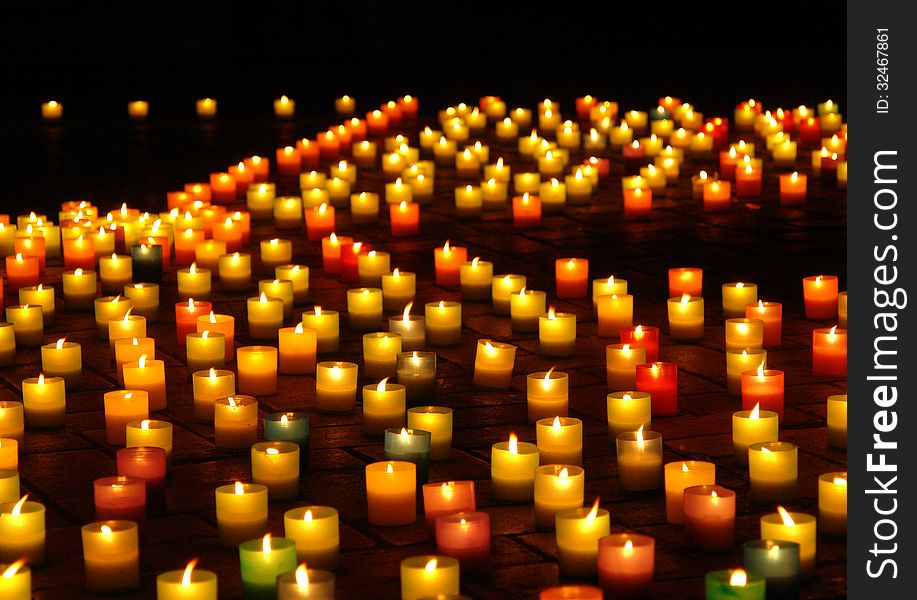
(486, 348)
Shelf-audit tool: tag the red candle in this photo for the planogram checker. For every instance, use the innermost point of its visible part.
(357, 128)
(34, 246)
(409, 106)
(22, 271)
(120, 498)
(526, 211)
(186, 314)
(763, 387)
(147, 463)
(820, 293)
(260, 166)
(243, 220)
(584, 104)
(638, 203)
(626, 564)
(405, 218)
(243, 175)
(447, 261)
(466, 537)
(792, 189)
(602, 164)
(309, 154)
(446, 498)
(686, 280)
(79, 253)
(184, 245)
(376, 123)
(199, 191)
(748, 181)
(809, 131)
(391, 110)
(645, 335)
(829, 352)
(571, 592)
(331, 252)
(710, 517)
(660, 380)
(222, 187)
(717, 195)
(634, 156)
(288, 161)
(349, 253)
(319, 221)
(772, 315)
(329, 147)
(572, 277)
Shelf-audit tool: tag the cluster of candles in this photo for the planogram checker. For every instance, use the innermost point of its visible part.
(126, 255)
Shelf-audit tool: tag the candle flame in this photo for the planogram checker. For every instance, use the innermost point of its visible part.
(787, 519)
(381, 386)
(563, 473)
(430, 567)
(628, 547)
(684, 467)
(116, 299)
(513, 445)
(232, 402)
(318, 311)
(685, 298)
(831, 334)
(17, 508)
(60, 343)
(141, 362)
(190, 303)
(738, 578)
(302, 577)
(284, 419)
(755, 412)
(78, 272)
(626, 396)
(638, 331)
(547, 375)
(556, 425)
(186, 576)
(105, 530)
(239, 488)
(263, 298)
(446, 248)
(840, 481)
(551, 313)
(266, 544)
(594, 512)
(474, 262)
(761, 370)
(11, 570)
(272, 451)
(127, 315)
(41, 379)
(389, 469)
(145, 424)
(641, 442)
(193, 268)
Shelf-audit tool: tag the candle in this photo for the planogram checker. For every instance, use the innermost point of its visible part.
(52, 110)
(193, 282)
(289, 427)
(297, 348)
(265, 316)
(120, 498)
(22, 531)
(208, 385)
(820, 292)
(371, 267)
(391, 490)
(513, 465)
(235, 422)
(281, 289)
(276, 466)
(639, 456)
(621, 362)
(493, 364)
(443, 323)
(837, 421)
(21, 271)
(150, 432)
(262, 560)
(526, 309)
(438, 421)
(448, 498)
(626, 564)
(448, 261)
(726, 585)
(557, 333)
(12, 420)
(627, 411)
(315, 530)
(147, 375)
(578, 533)
(122, 407)
(557, 488)
(502, 288)
(186, 315)
(410, 327)
(560, 440)
(643, 335)
(777, 562)
(241, 512)
(9, 485)
(571, 277)
(792, 189)
(275, 252)
(743, 333)
(709, 517)
(298, 276)
(16, 581)
(284, 107)
(44, 401)
(335, 386)
(772, 469)
(793, 527)
(7, 345)
(832, 503)
(364, 207)
(257, 367)
(771, 316)
(206, 108)
(752, 427)
(79, 288)
(476, 279)
(736, 296)
(223, 325)
(111, 556)
(130, 350)
(28, 324)
(660, 380)
(416, 371)
(547, 395)
(383, 407)
(326, 324)
(686, 317)
(429, 576)
(145, 300)
(764, 387)
(126, 327)
(615, 312)
(380, 352)
(364, 308)
(679, 476)
(465, 536)
(9, 458)
(63, 359)
(147, 464)
(187, 583)
(410, 445)
(311, 584)
(41, 296)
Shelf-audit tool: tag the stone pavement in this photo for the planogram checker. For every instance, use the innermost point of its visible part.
(755, 241)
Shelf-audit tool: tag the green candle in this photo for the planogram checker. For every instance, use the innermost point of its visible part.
(262, 560)
(734, 584)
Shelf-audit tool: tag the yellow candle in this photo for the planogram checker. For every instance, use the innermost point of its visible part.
(556, 333)
(493, 364)
(28, 324)
(298, 275)
(512, 469)
(621, 361)
(752, 427)
(526, 308)
(547, 394)
(315, 530)
(793, 527)
(257, 367)
(187, 584)
(615, 312)
(607, 287)
(837, 421)
(737, 362)
(383, 407)
(22, 531)
(122, 407)
(194, 283)
(326, 324)
(241, 510)
(284, 107)
(130, 350)
(560, 440)
(145, 300)
(502, 288)
(63, 359)
(832, 503)
(276, 466)
(430, 576)
(115, 272)
(557, 488)
(772, 469)
(275, 252)
(628, 411)
(335, 386)
(44, 401)
(578, 534)
(107, 308)
(265, 316)
(476, 278)
(680, 475)
(235, 422)
(208, 386)
(42, 296)
(744, 333)
(16, 581)
(148, 375)
(129, 326)
(438, 421)
(391, 493)
(364, 308)
(206, 108)
(736, 296)
(79, 287)
(111, 556)
(235, 271)
(150, 432)
(686, 317)
(443, 323)
(398, 289)
(380, 354)
(51, 111)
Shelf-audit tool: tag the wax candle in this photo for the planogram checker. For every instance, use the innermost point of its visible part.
(736, 296)
(410, 327)
(208, 385)
(311, 584)
(578, 533)
(79, 288)
(22, 529)
(186, 315)
(493, 364)
(465, 536)
(9, 457)
(315, 530)
(679, 476)
(218, 325)
(416, 371)
(526, 309)
(763, 387)
(438, 421)
(335, 386)
(16, 581)
(206, 108)
(126, 327)
(626, 564)
(513, 465)
(193, 282)
(744, 333)
(380, 352)
(686, 317)
(448, 261)
(639, 456)
(502, 288)
(709, 517)
(371, 266)
(28, 324)
(557, 488)
(79, 253)
(571, 277)
(298, 275)
(276, 466)
(772, 469)
(643, 335)
(448, 498)
(383, 407)
(547, 395)
(829, 352)
(265, 316)
(22, 271)
(364, 207)
(793, 527)
(31, 245)
(63, 359)
(235, 422)
(122, 407)
(627, 411)
(297, 348)
(275, 252)
(752, 427)
(777, 562)
(44, 401)
(9, 485)
(145, 300)
(739, 361)
(771, 316)
(560, 440)
(120, 498)
(12, 420)
(111, 556)
(129, 350)
(820, 292)
(281, 289)
(241, 512)
(326, 324)
(660, 380)
(262, 560)
(7, 344)
(364, 308)
(443, 322)
(410, 445)
(837, 421)
(42, 296)
(187, 583)
(147, 464)
(149, 432)
(735, 583)
(391, 493)
(557, 333)
(257, 367)
(429, 576)
(621, 361)
(614, 311)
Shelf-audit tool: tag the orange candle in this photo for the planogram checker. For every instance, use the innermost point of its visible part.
(526, 211)
(638, 203)
(288, 160)
(405, 218)
(829, 352)
(447, 261)
(572, 277)
(22, 271)
(331, 252)
(32, 245)
(820, 293)
(686, 281)
(792, 189)
(79, 253)
(717, 195)
(222, 187)
(319, 221)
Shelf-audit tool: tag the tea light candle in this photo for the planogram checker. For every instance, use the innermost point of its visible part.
(145, 300)
(298, 275)
(335, 386)
(820, 292)
(371, 267)
(16, 581)
(748, 180)
(777, 562)
(465, 536)
(736, 296)
(276, 466)
(639, 455)
(443, 323)
(763, 387)
(235, 422)
(297, 348)
(380, 352)
(557, 488)
(737, 362)
(438, 421)
(257, 367)
(206, 108)
(187, 583)
(224, 325)
(572, 277)
(122, 407)
(186, 315)
(493, 364)
(660, 380)
(32, 245)
(547, 395)
(560, 440)
(383, 407)
(679, 476)
(129, 326)
(526, 309)
(326, 324)
(207, 254)
(615, 312)
(793, 527)
(626, 564)
(686, 317)
(364, 308)
(315, 530)
(448, 261)
(709, 517)
(44, 401)
(448, 498)
(744, 333)
(28, 324)
(416, 371)
(147, 464)
(723, 585)
(364, 207)
(752, 427)
(22, 271)
(79, 253)
(410, 445)
(120, 498)
(476, 277)
(241, 512)
(627, 411)
(429, 576)
(612, 286)
(410, 327)
(148, 375)
(578, 533)
(513, 465)
(41, 296)
(208, 385)
(621, 361)
(150, 432)
(832, 503)
(281, 289)
(391, 489)
(502, 288)
(52, 111)
(265, 316)
(643, 335)
(79, 288)
(111, 556)
(193, 282)
(771, 316)
(792, 189)
(63, 359)
(275, 252)
(557, 333)
(262, 560)
(772, 469)
(837, 421)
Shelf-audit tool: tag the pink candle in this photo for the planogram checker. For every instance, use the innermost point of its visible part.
(465, 536)
(644, 335)
(710, 517)
(820, 293)
(446, 498)
(626, 564)
(405, 218)
(660, 380)
(764, 387)
(149, 464)
(572, 277)
(186, 314)
(331, 252)
(771, 313)
(829, 352)
(120, 499)
(319, 222)
(447, 261)
(526, 211)
(686, 280)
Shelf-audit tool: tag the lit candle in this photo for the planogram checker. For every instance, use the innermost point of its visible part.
(608, 287)
(111, 556)
(284, 107)
(326, 324)
(9, 459)
(186, 315)
(298, 275)
(22, 271)
(410, 327)
(771, 315)
(438, 421)
(502, 288)
(371, 267)
(297, 349)
(416, 371)
(380, 352)
(547, 395)
(383, 407)
(391, 489)
(627, 411)
(578, 533)
(513, 465)
(63, 359)
(257, 367)
(556, 333)
(276, 466)
(79, 253)
(639, 456)
(448, 261)
(126, 327)
(679, 476)
(526, 309)
(315, 530)
(147, 464)
(16, 581)
(476, 279)
(493, 364)
(224, 325)
(207, 254)
(832, 503)
(79, 287)
(52, 110)
(150, 432)
(764, 387)
(709, 517)
(429, 576)
(621, 362)
(772, 469)
(148, 375)
(660, 380)
(193, 282)
(22, 531)
(734, 584)
(448, 498)
(565, 592)
(443, 323)
(208, 385)
(265, 316)
(44, 401)
(560, 440)
(837, 421)
(792, 189)
(820, 292)
(241, 512)
(260, 200)
(28, 324)
(793, 527)
(281, 289)
(643, 335)
(262, 560)
(364, 207)
(557, 488)
(186, 584)
(626, 564)
(120, 498)
(409, 445)
(742, 333)
(145, 300)
(615, 312)
(206, 108)
(736, 296)
(686, 317)
(122, 407)
(335, 386)
(776, 561)
(275, 252)
(235, 422)
(364, 308)
(752, 427)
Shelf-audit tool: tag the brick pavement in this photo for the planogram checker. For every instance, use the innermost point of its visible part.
(756, 241)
